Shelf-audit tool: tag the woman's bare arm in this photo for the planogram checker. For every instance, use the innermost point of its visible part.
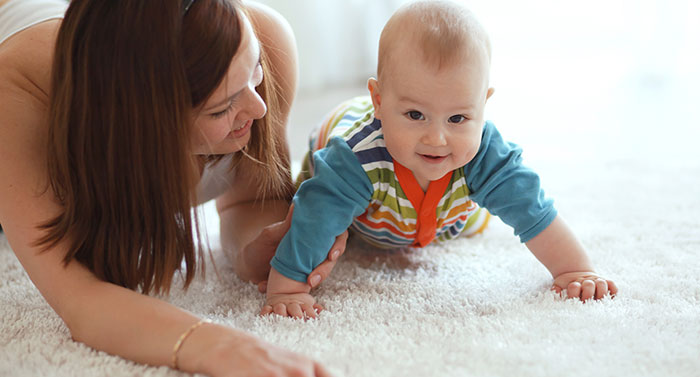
(100, 314)
(242, 217)
(250, 230)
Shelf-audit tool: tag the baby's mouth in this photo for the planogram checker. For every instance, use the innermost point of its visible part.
(432, 158)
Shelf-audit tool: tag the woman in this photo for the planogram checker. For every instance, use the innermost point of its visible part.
(114, 121)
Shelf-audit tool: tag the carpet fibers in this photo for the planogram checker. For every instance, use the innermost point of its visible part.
(472, 307)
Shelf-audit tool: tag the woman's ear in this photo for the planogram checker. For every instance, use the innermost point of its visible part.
(373, 87)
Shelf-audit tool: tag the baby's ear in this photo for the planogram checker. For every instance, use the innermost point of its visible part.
(489, 93)
(373, 87)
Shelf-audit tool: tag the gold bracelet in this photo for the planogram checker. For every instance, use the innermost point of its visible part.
(182, 338)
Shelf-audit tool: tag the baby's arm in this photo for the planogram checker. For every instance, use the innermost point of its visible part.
(324, 207)
(559, 250)
(289, 298)
(511, 191)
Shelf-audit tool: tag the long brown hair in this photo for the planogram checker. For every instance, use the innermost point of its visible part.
(126, 75)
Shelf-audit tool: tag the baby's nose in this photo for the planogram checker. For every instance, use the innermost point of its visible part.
(434, 137)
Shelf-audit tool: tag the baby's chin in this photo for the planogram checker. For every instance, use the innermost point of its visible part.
(435, 174)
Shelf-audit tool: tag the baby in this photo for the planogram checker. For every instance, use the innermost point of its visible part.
(416, 162)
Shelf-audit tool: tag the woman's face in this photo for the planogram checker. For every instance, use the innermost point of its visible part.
(222, 125)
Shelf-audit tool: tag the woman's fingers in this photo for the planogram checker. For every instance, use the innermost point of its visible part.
(262, 286)
(253, 262)
(320, 371)
(276, 231)
(320, 273)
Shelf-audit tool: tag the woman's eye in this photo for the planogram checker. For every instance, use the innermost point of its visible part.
(222, 113)
(457, 118)
(415, 115)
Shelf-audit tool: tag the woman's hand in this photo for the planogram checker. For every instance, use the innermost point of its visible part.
(246, 356)
(253, 262)
(584, 285)
(321, 272)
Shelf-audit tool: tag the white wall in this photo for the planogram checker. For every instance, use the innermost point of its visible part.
(338, 39)
(577, 74)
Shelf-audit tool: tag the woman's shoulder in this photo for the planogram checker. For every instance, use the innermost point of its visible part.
(270, 25)
(277, 38)
(25, 63)
(25, 74)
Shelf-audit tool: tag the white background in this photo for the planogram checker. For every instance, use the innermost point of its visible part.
(595, 77)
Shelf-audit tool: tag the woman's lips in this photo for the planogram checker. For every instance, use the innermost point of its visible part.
(235, 134)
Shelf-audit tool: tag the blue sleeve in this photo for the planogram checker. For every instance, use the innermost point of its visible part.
(500, 183)
(324, 207)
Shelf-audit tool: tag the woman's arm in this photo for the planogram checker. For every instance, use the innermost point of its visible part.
(242, 217)
(250, 229)
(101, 315)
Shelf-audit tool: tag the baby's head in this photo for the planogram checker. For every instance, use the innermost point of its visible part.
(431, 87)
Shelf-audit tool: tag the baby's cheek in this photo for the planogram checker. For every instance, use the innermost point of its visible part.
(467, 153)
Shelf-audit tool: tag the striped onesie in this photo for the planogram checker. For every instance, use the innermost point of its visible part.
(353, 182)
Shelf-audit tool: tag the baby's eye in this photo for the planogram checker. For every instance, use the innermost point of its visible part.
(457, 119)
(415, 115)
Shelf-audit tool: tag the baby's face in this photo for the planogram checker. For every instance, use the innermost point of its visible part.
(432, 119)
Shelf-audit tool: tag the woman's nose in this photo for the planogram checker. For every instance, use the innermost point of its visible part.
(255, 106)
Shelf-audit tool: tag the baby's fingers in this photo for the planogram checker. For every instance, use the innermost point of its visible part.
(294, 310)
(573, 290)
(587, 290)
(309, 311)
(280, 309)
(601, 288)
(612, 287)
(557, 289)
(267, 309)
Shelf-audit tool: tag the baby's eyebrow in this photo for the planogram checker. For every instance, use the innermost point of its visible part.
(404, 98)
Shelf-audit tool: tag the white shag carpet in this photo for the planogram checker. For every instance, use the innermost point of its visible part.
(624, 173)
(473, 307)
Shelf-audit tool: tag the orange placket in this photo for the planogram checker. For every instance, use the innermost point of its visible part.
(425, 204)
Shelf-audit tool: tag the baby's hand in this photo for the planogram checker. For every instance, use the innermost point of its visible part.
(297, 305)
(584, 285)
(289, 298)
